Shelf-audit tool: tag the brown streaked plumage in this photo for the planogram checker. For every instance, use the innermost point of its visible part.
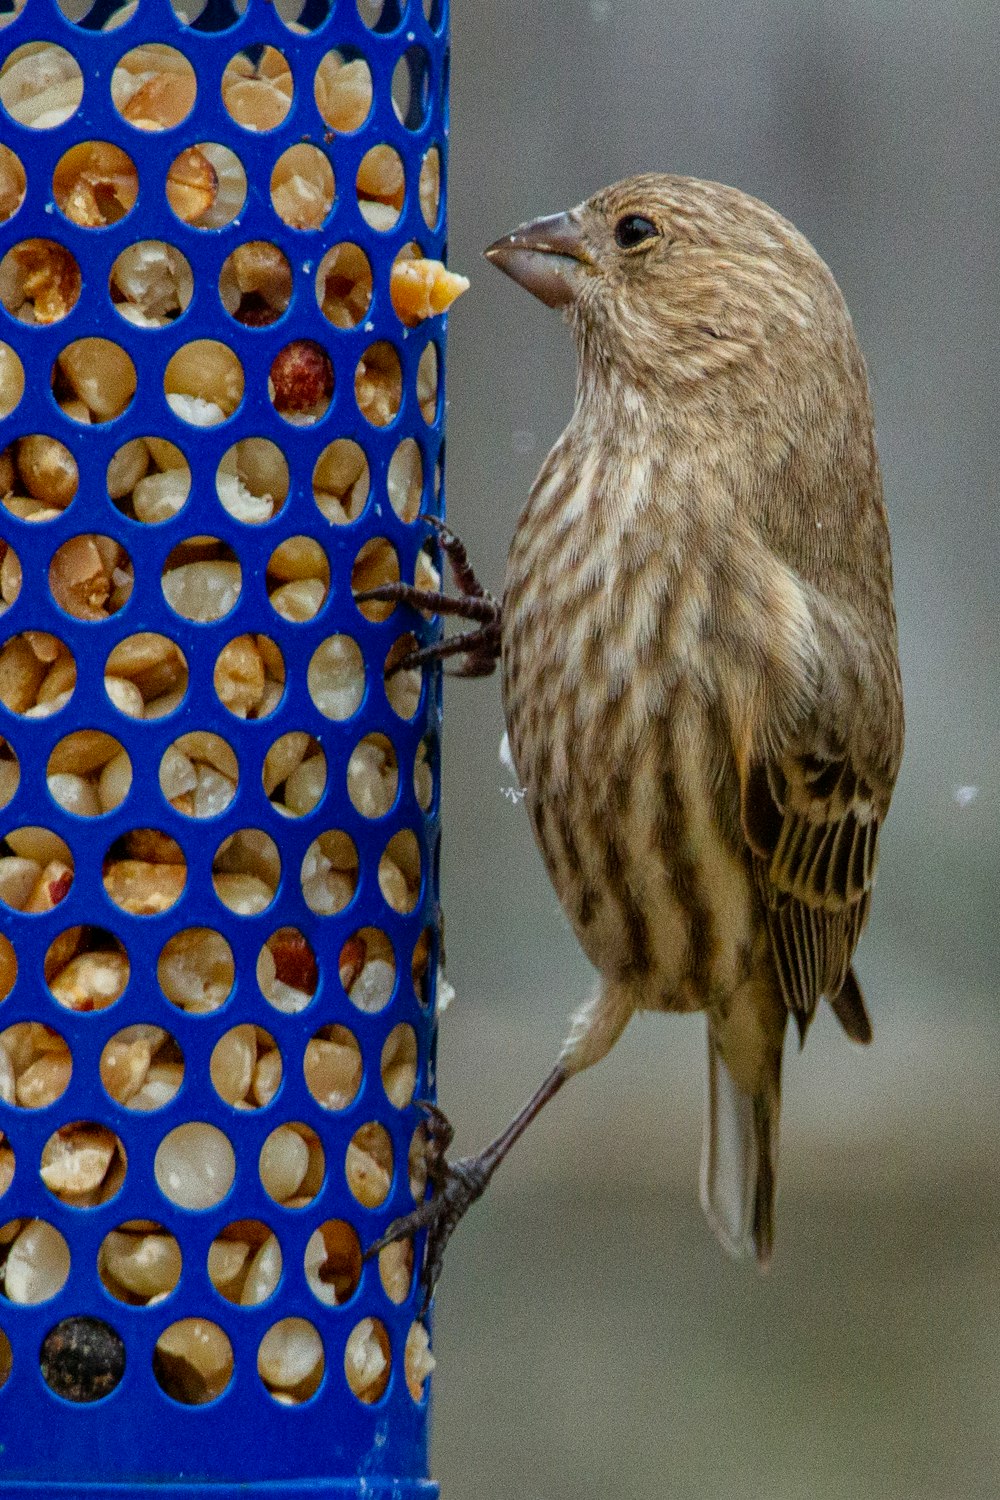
(699, 652)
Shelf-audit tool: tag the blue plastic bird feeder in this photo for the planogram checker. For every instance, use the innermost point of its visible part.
(218, 867)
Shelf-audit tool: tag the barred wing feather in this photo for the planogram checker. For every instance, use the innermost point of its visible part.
(812, 824)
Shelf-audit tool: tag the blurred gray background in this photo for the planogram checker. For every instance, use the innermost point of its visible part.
(592, 1341)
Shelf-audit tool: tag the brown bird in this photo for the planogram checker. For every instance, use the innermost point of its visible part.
(699, 656)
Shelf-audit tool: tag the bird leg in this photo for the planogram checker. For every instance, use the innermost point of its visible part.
(480, 647)
(455, 1185)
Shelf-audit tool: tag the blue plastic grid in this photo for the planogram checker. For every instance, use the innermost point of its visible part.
(137, 1436)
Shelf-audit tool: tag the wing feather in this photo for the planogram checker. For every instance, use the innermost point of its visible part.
(811, 820)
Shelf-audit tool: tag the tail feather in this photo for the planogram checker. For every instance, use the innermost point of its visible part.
(848, 1006)
(740, 1156)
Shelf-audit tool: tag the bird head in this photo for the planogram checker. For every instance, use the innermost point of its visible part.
(668, 280)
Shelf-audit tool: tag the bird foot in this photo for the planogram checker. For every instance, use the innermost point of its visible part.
(480, 647)
(455, 1186)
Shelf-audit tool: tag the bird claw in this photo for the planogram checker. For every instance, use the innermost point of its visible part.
(455, 1187)
(479, 647)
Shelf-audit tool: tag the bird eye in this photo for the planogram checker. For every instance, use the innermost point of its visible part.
(634, 230)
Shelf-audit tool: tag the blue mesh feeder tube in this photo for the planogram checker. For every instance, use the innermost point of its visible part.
(218, 809)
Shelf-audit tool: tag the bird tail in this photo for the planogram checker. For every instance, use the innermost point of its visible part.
(739, 1162)
(849, 1008)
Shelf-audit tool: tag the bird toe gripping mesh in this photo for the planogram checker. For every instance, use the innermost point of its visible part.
(217, 874)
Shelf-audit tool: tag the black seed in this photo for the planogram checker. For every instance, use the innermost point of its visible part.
(83, 1359)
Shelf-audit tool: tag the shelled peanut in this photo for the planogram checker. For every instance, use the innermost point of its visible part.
(332, 1067)
(422, 288)
(38, 477)
(35, 1065)
(139, 1262)
(83, 1164)
(86, 969)
(142, 1067)
(34, 1261)
(149, 480)
(367, 1359)
(370, 1164)
(244, 1262)
(287, 973)
(153, 87)
(37, 872)
(368, 969)
(246, 1067)
(418, 1361)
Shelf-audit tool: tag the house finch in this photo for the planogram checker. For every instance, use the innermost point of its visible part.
(699, 659)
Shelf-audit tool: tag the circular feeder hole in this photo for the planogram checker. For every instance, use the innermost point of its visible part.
(144, 872)
(36, 869)
(373, 776)
(329, 873)
(368, 1360)
(82, 1359)
(302, 187)
(249, 676)
(91, 577)
(294, 774)
(336, 677)
(199, 774)
(86, 968)
(298, 579)
(255, 284)
(341, 481)
(300, 383)
(146, 676)
(369, 1164)
(342, 88)
(378, 384)
(196, 970)
(257, 88)
(149, 480)
(344, 285)
(151, 284)
(139, 1262)
(93, 381)
(35, 1065)
(333, 1262)
(367, 969)
(195, 1165)
(39, 283)
(83, 1164)
(246, 871)
(332, 1067)
(193, 1361)
(246, 1067)
(252, 481)
(292, 1165)
(41, 85)
(287, 972)
(206, 185)
(142, 1067)
(34, 1261)
(153, 87)
(95, 184)
(244, 1262)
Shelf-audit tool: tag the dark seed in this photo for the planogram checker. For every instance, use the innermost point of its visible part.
(83, 1359)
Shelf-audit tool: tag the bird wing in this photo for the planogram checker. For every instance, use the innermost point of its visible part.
(812, 821)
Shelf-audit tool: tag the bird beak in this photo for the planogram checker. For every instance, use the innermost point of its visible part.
(547, 257)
